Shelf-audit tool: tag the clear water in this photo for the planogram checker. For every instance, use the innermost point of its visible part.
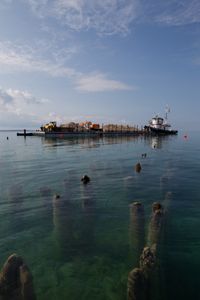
(84, 244)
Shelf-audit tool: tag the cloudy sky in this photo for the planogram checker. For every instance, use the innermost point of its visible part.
(101, 60)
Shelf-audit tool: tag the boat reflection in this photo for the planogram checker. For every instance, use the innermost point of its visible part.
(158, 142)
(88, 142)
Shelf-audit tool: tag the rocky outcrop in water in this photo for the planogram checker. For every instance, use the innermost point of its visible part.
(16, 281)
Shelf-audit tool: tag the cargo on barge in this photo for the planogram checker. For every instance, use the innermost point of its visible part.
(87, 129)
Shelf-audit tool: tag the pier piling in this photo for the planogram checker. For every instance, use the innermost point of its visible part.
(144, 282)
(138, 167)
(16, 281)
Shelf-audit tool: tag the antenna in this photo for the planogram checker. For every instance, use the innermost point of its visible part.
(167, 110)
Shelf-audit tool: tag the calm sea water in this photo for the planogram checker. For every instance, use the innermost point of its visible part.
(83, 245)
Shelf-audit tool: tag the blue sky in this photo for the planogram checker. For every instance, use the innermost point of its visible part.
(118, 61)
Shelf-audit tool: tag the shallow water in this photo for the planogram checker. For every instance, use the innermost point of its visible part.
(84, 244)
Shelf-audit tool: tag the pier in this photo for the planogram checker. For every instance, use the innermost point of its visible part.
(24, 133)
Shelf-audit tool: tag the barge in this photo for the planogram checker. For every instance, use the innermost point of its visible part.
(157, 126)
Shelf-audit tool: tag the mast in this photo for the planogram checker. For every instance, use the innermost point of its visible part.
(167, 110)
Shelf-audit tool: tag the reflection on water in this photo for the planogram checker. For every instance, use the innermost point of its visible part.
(90, 142)
(158, 142)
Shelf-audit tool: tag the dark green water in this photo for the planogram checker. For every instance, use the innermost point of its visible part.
(83, 245)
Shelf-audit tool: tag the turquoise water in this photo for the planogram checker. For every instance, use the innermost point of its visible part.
(84, 244)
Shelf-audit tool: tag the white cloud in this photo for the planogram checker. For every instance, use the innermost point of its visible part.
(116, 16)
(22, 58)
(108, 17)
(99, 83)
(171, 12)
(103, 16)
(15, 101)
(184, 13)
(37, 6)
(25, 59)
(24, 96)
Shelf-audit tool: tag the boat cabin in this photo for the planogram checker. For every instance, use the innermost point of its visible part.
(157, 122)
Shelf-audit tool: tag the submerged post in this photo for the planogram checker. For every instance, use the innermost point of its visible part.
(144, 282)
(16, 281)
(137, 230)
(137, 285)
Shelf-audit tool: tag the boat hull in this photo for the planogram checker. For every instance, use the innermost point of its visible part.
(89, 134)
(158, 131)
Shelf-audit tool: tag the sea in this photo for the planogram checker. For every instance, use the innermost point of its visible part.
(82, 241)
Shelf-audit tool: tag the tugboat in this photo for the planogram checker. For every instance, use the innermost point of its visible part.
(160, 126)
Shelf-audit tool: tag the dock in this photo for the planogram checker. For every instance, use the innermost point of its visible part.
(25, 133)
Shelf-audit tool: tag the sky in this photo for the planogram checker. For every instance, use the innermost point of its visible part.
(108, 61)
